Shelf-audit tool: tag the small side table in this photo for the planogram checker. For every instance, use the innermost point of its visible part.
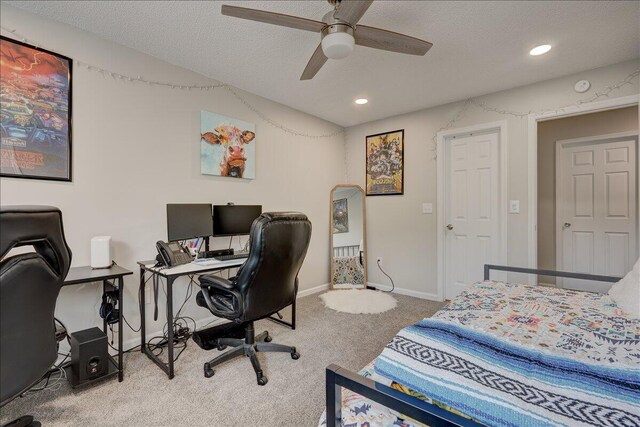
(111, 278)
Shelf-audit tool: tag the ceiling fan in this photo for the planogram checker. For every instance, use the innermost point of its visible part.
(339, 31)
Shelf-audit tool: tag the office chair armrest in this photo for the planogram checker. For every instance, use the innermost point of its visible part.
(216, 282)
(228, 304)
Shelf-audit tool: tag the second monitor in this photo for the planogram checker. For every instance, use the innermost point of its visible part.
(234, 220)
(188, 221)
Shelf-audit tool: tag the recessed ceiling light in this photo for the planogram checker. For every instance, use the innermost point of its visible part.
(361, 101)
(540, 50)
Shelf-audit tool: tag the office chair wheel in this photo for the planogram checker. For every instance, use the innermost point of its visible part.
(220, 346)
(262, 380)
(208, 371)
(268, 338)
(295, 355)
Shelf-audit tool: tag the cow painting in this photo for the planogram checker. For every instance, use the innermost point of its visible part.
(225, 150)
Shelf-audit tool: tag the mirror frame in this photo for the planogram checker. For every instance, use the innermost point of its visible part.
(364, 235)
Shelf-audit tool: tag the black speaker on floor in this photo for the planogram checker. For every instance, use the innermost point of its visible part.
(89, 355)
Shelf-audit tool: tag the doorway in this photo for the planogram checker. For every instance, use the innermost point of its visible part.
(587, 204)
(471, 193)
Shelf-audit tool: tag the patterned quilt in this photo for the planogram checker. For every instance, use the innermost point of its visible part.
(519, 355)
(358, 411)
(347, 271)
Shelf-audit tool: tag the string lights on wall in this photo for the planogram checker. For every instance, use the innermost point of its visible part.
(521, 114)
(186, 87)
(456, 118)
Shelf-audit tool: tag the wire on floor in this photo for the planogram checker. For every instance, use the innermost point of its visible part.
(51, 382)
(393, 285)
(182, 329)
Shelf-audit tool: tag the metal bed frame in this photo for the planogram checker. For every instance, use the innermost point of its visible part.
(349, 250)
(421, 411)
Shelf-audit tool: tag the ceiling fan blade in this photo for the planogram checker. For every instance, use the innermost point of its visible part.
(315, 63)
(352, 10)
(273, 18)
(378, 38)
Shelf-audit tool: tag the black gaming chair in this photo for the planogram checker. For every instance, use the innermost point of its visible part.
(264, 285)
(29, 287)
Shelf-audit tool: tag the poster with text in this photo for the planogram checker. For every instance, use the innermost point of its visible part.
(35, 112)
(385, 163)
(227, 146)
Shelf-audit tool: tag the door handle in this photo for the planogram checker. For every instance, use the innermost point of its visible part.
(566, 225)
(449, 227)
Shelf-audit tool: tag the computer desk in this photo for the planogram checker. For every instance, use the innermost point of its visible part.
(170, 275)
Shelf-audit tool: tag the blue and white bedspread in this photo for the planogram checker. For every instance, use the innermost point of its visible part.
(518, 355)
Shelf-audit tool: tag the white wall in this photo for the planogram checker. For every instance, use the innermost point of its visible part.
(136, 148)
(398, 231)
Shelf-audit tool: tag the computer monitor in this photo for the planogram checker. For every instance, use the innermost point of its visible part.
(234, 220)
(188, 221)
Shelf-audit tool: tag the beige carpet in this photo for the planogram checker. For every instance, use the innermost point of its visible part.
(294, 395)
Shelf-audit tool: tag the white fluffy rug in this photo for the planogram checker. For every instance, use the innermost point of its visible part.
(358, 301)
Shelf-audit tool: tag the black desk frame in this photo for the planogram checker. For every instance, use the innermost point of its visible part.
(112, 278)
(145, 266)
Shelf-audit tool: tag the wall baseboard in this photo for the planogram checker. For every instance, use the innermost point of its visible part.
(313, 290)
(408, 292)
(215, 321)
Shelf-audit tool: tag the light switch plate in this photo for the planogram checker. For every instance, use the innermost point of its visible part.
(514, 206)
(427, 208)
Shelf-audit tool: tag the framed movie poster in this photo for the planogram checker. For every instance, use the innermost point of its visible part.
(385, 163)
(227, 146)
(35, 113)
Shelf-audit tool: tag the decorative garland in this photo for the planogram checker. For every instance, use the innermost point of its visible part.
(456, 118)
(520, 114)
(230, 89)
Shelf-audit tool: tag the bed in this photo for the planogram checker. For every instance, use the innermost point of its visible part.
(347, 266)
(501, 354)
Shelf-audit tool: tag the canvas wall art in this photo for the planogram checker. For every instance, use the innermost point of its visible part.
(340, 216)
(385, 163)
(35, 113)
(227, 146)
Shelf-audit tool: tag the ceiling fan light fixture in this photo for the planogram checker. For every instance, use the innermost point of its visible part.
(337, 30)
(338, 45)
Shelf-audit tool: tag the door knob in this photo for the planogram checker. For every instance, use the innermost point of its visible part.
(566, 225)
(449, 227)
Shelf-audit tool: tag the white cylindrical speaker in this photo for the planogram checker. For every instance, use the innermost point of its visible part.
(101, 252)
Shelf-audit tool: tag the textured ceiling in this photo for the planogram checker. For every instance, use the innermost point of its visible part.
(479, 47)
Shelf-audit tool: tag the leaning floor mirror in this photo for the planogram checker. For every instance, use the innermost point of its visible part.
(348, 238)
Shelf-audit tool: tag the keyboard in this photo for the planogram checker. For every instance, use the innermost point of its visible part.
(231, 257)
(218, 259)
(205, 261)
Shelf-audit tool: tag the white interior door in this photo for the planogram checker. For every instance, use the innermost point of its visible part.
(472, 236)
(596, 203)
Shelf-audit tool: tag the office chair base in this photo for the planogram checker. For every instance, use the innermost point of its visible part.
(24, 421)
(249, 346)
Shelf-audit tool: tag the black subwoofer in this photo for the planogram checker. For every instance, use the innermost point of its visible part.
(89, 355)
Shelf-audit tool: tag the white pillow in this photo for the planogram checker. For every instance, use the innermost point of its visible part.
(626, 292)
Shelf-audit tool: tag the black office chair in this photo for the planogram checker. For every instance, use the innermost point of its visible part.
(29, 287)
(264, 285)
